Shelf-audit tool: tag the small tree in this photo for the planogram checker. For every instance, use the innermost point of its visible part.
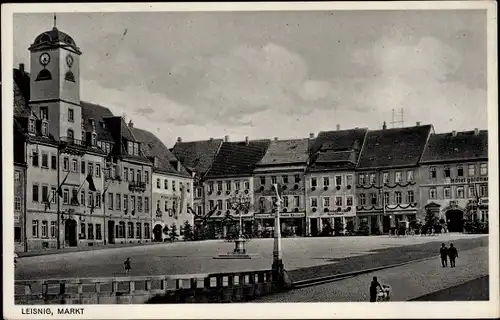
(173, 235)
(338, 227)
(327, 230)
(431, 220)
(165, 232)
(188, 231)
(350, 227)
(364, 228)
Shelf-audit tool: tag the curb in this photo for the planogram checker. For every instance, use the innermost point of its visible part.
(342, 276)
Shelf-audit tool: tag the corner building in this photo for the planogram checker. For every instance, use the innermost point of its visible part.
(387, 175)
(330, 178)
(454, 177)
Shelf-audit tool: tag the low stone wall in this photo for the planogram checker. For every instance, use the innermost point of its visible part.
(197, 288)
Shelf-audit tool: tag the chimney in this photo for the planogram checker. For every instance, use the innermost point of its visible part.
(418, 123)
(311, 135)
(179, 139)
(384, 126)
(476, 131)
(338, 127)
(226, 138)
(246, 140)
(453, 133)
(130, 124)
(211, 139)
(275, 138)
(21, 67)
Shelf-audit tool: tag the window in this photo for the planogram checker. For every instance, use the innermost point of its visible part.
(398, 197)
(432, 173)
(93, 142)
(228, 205)
(130, 148)
(53, 231)
(82, 198)
(348, 180)
(17, 176)
(237, 185)
(387, 198)
(45, 229)
(158, 183)
(326, 181)
(130, 227)
(447, 172)
(199, 210)
(45, 128)
(262, 180)
(432, 193)
(386, 177)
(139, 204)
(483, 169)
(338, 201)
(132, 177)
(247, 185)
(314, 202)
(362, 199)
(82, 167)
(460, 192)
(158, 205)
(66, 164)
(219, 204)
(471, 170)
(17, 203)
(34, 228)
(98, 232)
(53, 192)
(361, 178)
(165, 184)
(397, 177)
(349, 201)
(166, 205)
(31, 125)
(45, 160)
(447, 193)
(314, 182)
(53, 162)
(326, 202)
(409, 176)
(139, 176)
(125, 174)
(373, 198)
(90, 228)
(35, 193)
(471, 192)
(17, 234)
(274, 201)
(146, 177)
(338, 180)
(297, 178)
(97, 170)
(285, 201)
(110, 201)
(71, 115)
(98, 199)
(70, 135)
(136, 149)
(118, 201)
(410, 196)
(45, 193)
(228, 185)
(372, 178)
(211, 186)
(34, 159)
(138, 230)
(284, 179)
(483, 191)
(199, 192)
(262, 203)
(44, 112)
(74, 165)
(82, 231)
(274, 180)
(146, 231)
(146, 204)
(125, 202)
(90, 168)
(460, 171)
(219, 185)
(211, 204)
(173, 185)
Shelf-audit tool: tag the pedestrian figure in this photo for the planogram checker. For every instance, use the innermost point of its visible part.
(127, 265)
(444, 255)
(453, 254)
(373, 289)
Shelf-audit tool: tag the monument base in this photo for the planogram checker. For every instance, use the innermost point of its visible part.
(239, 252)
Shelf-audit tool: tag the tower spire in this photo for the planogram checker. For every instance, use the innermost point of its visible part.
(55, 21)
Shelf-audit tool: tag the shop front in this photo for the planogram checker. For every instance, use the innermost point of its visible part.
(291, 223)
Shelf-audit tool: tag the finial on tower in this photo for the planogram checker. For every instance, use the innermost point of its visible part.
(55, 21)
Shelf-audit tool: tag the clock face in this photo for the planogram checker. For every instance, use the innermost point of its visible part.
(69, 60)
(45, 59)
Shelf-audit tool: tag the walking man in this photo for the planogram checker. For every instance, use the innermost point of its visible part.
(127, 266)
(453, 254)
(444, 255)
(373, 289)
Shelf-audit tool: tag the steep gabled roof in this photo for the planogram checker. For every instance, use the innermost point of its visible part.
(238, 158)
(283, 152)
(98, 113)
(397, 147)
(463, 146)
(21, 94)
(197, 156)
(153, 147)
(336, 150)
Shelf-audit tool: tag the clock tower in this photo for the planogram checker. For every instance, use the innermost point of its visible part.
(55, 83)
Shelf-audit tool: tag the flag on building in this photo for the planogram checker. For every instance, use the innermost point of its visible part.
(59, 189)
(279, 190)
(183, 198)
(91, 183)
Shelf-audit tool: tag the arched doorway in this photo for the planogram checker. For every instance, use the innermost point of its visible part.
(70, 233)
(454, 218)
(157, 231)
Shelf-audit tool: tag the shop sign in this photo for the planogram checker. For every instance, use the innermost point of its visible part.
(469, 179)
(282, 215)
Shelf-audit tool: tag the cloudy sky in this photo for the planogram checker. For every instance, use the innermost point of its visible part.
(265, 74)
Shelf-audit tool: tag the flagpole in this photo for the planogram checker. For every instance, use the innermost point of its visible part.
(277, 267)
(58, 198)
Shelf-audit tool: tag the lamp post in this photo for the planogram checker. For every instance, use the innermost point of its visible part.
(277, 268)
(240, 203)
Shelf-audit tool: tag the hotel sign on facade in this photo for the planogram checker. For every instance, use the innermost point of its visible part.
(469, 179)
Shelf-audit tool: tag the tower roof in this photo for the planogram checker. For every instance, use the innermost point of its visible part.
(54, 39)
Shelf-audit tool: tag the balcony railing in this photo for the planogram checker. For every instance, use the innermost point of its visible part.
(74, 142)
(137, 186)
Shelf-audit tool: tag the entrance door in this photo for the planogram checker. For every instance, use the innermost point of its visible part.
(314, 227)
(455, 220)
(157, 230)
(374, 224)
(70, 233)
(386, 224)
(111, 232)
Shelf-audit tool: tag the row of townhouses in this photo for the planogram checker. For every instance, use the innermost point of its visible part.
(85, 177)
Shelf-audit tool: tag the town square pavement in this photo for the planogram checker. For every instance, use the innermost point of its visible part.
(197, 257)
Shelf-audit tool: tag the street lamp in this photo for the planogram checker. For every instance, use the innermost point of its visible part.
(240, 203)
(278, 268)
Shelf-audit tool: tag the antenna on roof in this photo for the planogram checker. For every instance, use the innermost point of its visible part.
(55, 21)
(394, 121)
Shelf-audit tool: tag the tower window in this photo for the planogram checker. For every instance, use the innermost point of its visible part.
(70, 134)
(45, 128)
(70, 76)
(44, 75)
(44, 112)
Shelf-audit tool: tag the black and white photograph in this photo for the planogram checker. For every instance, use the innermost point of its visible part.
(219, 160)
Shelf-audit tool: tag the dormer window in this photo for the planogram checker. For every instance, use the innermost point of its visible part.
(156, 164)
(94, 139)
(45, 128)
(136, 149)
(44, 113)
(70, 135)
(31, 126)
(133, 148)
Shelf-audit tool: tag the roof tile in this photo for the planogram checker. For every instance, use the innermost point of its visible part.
(462, 147)
(197, 156)
(282, 152)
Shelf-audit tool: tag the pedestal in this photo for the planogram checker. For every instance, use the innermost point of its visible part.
(239, 252)
(239, 246)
